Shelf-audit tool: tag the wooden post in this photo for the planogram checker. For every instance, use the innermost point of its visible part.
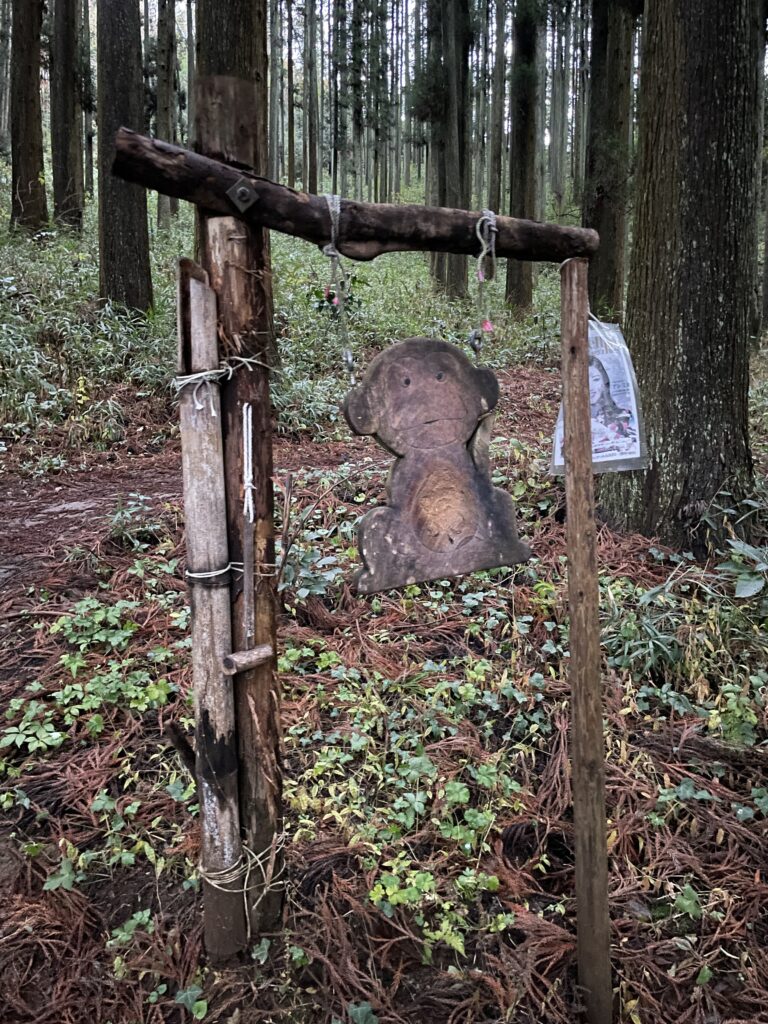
(208, 553)
(236, 257)
(587, 741)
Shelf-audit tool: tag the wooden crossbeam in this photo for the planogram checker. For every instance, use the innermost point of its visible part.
(366, 230)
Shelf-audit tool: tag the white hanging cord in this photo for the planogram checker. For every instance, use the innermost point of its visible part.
(486, 230)
(340, 281)
(248, 485)
(249, 567)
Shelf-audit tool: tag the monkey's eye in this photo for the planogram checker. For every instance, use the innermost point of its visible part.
(406, 381)
(439, 376)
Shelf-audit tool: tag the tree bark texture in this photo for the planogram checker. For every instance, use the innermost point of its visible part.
(527, 25)
(447, 74)
(232, 76)
(124, 273)
(365, 230)
(190, 72)
(29, 207)
(498, 96)
(5, 78)
(88, 99)
(586, 740)
(311, 114)
(207, 552)
(692, 267)
(608, 157)
(166, 93)
(66, 115)
(291, 126)
(275, 58)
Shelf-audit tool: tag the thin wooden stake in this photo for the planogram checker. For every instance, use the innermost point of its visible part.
(587, 741)
(207, 553)
(242, 661)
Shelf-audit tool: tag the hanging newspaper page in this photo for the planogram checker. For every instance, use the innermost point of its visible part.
(618, 435)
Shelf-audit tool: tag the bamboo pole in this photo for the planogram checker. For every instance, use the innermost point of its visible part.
(587, 741)
(207, 554)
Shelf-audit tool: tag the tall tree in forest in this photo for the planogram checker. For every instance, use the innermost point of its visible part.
(605, 197)
(29, 207)
(339, 99)
(442, 100)
(190, 73)
(498, 98)
(232, 124)
(124, 273)
(311, 112)
(5, 77)
(275, 60)
(291, 99)
(358, 100)
(527, 26)
(66, 114)
(558, 121)
(692, 267)
(166, 91)
(88, 97)
(580, 93)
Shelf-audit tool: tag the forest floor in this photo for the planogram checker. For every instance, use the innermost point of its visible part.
(428, 831)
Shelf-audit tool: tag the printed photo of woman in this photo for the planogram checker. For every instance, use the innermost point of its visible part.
(605, 412)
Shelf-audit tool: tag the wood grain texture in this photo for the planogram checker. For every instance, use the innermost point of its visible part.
(207, 551)
(427, 404)
(366, 230)
(236, 256)
(587, 741)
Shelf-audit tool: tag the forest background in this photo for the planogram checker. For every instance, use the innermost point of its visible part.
(428, 833)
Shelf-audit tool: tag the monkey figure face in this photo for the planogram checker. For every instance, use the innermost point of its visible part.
(421, 394)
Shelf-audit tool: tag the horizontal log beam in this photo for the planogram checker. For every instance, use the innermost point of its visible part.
(366, 230)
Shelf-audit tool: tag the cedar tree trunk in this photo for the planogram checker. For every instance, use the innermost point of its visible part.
(29, 207)
(124, 274)
(692, 268)
(607, 169)
(67, 115)
(527, 24)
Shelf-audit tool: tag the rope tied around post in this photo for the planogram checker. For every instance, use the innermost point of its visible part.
(228, 879)
(226, 371)
(486, 230)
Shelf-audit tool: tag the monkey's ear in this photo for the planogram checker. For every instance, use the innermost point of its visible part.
(488, 387)
(358, 412)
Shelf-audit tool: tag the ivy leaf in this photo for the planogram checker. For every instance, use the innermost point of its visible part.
(361, 1013)
(749, 585)
(688, 902)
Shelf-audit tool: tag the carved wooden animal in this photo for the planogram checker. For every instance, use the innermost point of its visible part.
(426, 403)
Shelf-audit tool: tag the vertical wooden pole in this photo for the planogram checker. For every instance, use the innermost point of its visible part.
(230, 108)
(587, 742)
(202, 459)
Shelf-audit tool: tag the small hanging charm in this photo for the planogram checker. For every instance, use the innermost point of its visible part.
(425, 402)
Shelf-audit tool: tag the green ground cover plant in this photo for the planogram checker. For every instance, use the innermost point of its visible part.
(428, 807)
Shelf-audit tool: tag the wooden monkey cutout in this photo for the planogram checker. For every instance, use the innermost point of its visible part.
(427, 404)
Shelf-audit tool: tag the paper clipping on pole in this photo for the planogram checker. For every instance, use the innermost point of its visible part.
(618, 435)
